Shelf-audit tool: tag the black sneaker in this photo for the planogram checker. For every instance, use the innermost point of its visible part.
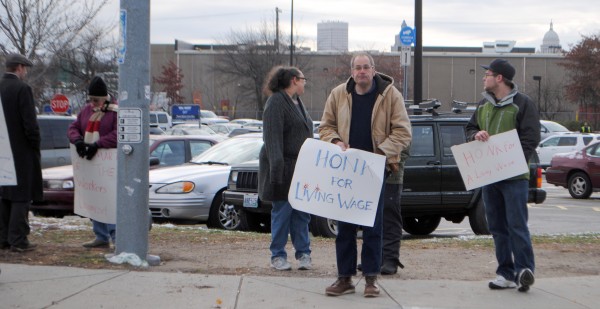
(525, 279)
(24, 248)
(389, 268)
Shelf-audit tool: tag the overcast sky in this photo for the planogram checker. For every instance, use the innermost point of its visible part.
(374, 23)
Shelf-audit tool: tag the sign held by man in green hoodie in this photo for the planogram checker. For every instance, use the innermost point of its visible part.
(483, 163)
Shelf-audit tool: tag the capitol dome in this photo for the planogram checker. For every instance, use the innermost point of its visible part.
(551, 42)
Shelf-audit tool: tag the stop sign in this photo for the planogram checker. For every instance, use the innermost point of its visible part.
(59, 103)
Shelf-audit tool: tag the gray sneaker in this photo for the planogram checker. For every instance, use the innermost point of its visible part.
(525, 279)
(304, 262)
(280, 263)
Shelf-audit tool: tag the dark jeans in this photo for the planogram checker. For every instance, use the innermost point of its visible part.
(507, 215)
(14, 223)
(370, 255)
(392, 224)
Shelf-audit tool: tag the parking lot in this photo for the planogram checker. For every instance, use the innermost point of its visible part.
(559, 214)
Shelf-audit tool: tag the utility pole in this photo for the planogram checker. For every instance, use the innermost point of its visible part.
(277, 10)
(133, 118)
(538, 78)
(292, 37)
(418, 81)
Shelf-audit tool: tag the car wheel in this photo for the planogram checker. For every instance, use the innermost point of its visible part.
(580, 186)
(421, 225)
(223, 216)
(49, 213)
(477, 219)
(323, 227)
(254, 222)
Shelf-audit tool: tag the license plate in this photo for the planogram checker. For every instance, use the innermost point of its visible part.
(251, 200)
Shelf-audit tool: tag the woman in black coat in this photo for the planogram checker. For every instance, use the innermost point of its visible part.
(286, 125)
(24, 136)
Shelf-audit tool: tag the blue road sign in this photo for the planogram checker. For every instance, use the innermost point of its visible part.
(47, 109)
(185, 112)
(407, 36)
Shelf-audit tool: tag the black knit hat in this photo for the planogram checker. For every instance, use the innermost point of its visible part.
(97, 87)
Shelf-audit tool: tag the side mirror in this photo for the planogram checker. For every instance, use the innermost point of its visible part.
(154, 161)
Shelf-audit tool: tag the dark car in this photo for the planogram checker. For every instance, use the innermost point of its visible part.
(433, 188)
(164, 151)
(578, 171)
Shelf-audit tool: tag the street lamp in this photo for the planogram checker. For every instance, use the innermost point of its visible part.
(539, 80)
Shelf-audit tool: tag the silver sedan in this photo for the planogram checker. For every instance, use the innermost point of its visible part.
(193, 191)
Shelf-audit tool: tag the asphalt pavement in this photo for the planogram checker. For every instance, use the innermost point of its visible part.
(27, 286)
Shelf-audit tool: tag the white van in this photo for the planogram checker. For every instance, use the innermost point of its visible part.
(161, 120)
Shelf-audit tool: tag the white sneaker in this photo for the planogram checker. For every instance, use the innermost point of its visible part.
(280, 263)
(501, 283)
(305, 262)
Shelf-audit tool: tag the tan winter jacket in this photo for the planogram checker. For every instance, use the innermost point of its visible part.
(390, 126)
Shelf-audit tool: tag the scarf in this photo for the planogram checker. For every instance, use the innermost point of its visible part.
(92, 131)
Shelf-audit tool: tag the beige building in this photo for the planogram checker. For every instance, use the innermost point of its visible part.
(448, 74)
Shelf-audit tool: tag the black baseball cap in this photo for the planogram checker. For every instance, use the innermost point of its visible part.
(502, 67)
(14, 59)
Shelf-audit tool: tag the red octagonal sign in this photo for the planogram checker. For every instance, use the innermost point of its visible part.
(59, 103)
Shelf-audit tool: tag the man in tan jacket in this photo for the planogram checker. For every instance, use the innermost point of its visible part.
(367, 113)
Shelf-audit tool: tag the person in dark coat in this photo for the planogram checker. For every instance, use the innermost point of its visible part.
(286, 125)
(96, 127)
(24, 137)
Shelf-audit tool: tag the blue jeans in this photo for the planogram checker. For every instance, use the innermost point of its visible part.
(507, 215)
(370, 255)
(104, 231)
(287, 220)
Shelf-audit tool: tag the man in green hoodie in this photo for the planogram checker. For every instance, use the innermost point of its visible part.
(502, 109)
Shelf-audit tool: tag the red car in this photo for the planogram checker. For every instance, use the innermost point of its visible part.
(165, 150)
(578, 171)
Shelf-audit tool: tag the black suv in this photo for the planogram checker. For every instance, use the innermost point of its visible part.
(433, 188)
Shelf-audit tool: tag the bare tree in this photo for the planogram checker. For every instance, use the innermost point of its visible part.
(39, 28)
(248, 57)
(91, 54)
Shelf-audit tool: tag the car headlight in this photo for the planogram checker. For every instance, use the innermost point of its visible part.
(60, 184)
(232, 184)
(176, 188)
(233, 176)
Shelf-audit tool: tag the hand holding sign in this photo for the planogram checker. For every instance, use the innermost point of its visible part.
(483, 163)
(336, 184)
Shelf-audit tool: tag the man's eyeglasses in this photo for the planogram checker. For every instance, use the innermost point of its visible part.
(362, 67)
(304, 78)
(489, 74)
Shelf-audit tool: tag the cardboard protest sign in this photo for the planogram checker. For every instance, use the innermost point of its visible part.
(336, 184)
(8, 175)
(96, 185)
(483, 163)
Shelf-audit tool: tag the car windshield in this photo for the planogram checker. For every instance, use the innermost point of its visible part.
(191, 130)
(555, 127)
(208, 114)
(231, 151)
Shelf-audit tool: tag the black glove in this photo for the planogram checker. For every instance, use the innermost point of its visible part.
(91, 150)
(80, 146)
